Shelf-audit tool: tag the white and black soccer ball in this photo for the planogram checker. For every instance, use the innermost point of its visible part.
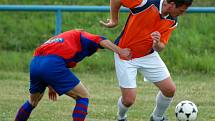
(186, 111)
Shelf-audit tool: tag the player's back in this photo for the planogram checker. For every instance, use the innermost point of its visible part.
(65, 45)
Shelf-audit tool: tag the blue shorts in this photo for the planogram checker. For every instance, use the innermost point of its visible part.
(51, 70)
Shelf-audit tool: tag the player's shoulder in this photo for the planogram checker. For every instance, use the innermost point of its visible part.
(131, 3)
(73, 32)
(146, 4)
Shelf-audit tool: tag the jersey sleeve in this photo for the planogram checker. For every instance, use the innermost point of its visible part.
(166, 35)
(131, 3)
(93, 37)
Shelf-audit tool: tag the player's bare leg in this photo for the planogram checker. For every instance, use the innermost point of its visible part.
(26, 109)
(164, 98)
(81, 95)
(78, 91)
(125, 101)
(167, 87)
(35, 98)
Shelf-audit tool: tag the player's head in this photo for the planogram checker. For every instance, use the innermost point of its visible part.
(179, 3)
(178, 7)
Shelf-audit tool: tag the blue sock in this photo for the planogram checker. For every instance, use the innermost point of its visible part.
(80, 110)
(24, 112)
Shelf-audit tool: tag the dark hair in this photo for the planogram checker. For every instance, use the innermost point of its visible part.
(179, 3)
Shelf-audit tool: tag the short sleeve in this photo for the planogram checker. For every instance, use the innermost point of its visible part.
(166, 35)
(93, 37)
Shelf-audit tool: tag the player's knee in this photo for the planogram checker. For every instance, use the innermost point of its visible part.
(35, 98)
(85, 95)
(34, 102)
(169, 92)
(128, 101)
(172, 90)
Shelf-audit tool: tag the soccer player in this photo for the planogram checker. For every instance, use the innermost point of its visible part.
(146, 32)
(50, 68)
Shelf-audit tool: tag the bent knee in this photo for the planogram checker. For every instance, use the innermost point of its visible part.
(128, 101)
(85, 95)
(35, 98)
(169, 92)
(34, 102)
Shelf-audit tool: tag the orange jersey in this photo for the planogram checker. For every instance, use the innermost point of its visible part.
(131, 3)
(144, 19)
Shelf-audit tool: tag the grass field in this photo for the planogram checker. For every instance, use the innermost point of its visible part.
(190, 50)
(104, 95)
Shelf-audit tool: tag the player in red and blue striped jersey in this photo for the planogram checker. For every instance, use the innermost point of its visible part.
(50, 68)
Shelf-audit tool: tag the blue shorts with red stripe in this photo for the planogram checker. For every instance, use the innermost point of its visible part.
(51, 70)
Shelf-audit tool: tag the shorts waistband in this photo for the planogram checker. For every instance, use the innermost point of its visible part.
(52, 56)
(150, 52)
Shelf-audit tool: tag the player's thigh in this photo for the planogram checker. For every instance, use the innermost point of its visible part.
(37, 84)
(60, 78)
(126, 72)
(78, 91)
(153, 68)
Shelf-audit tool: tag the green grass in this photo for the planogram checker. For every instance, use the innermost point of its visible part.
(104, 92)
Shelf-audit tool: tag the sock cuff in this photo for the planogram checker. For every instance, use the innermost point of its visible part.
(29, 104)
(84, 101)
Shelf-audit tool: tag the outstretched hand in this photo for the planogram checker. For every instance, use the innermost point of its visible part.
(52, 94)
(125, 53)
(109, 23)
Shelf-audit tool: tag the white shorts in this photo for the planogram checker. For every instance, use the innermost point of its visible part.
(150, 66)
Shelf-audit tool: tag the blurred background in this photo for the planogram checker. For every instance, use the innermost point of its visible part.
(190, 49)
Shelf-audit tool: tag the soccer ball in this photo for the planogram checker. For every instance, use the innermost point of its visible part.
(186, 111)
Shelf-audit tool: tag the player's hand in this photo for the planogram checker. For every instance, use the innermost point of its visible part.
(52, 94)
(156, 38)
(109, 23)
(125, 53)
(157, 44)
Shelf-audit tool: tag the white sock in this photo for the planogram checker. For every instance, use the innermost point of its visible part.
(122, 110)
(162, 103)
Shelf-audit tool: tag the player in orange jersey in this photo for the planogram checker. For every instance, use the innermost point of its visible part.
(146, 32)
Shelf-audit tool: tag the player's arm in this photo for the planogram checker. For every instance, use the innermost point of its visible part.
(157, 44)
(161, 39)
(114, 14)
(114, 10)
(52, 94)
(125, 53)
